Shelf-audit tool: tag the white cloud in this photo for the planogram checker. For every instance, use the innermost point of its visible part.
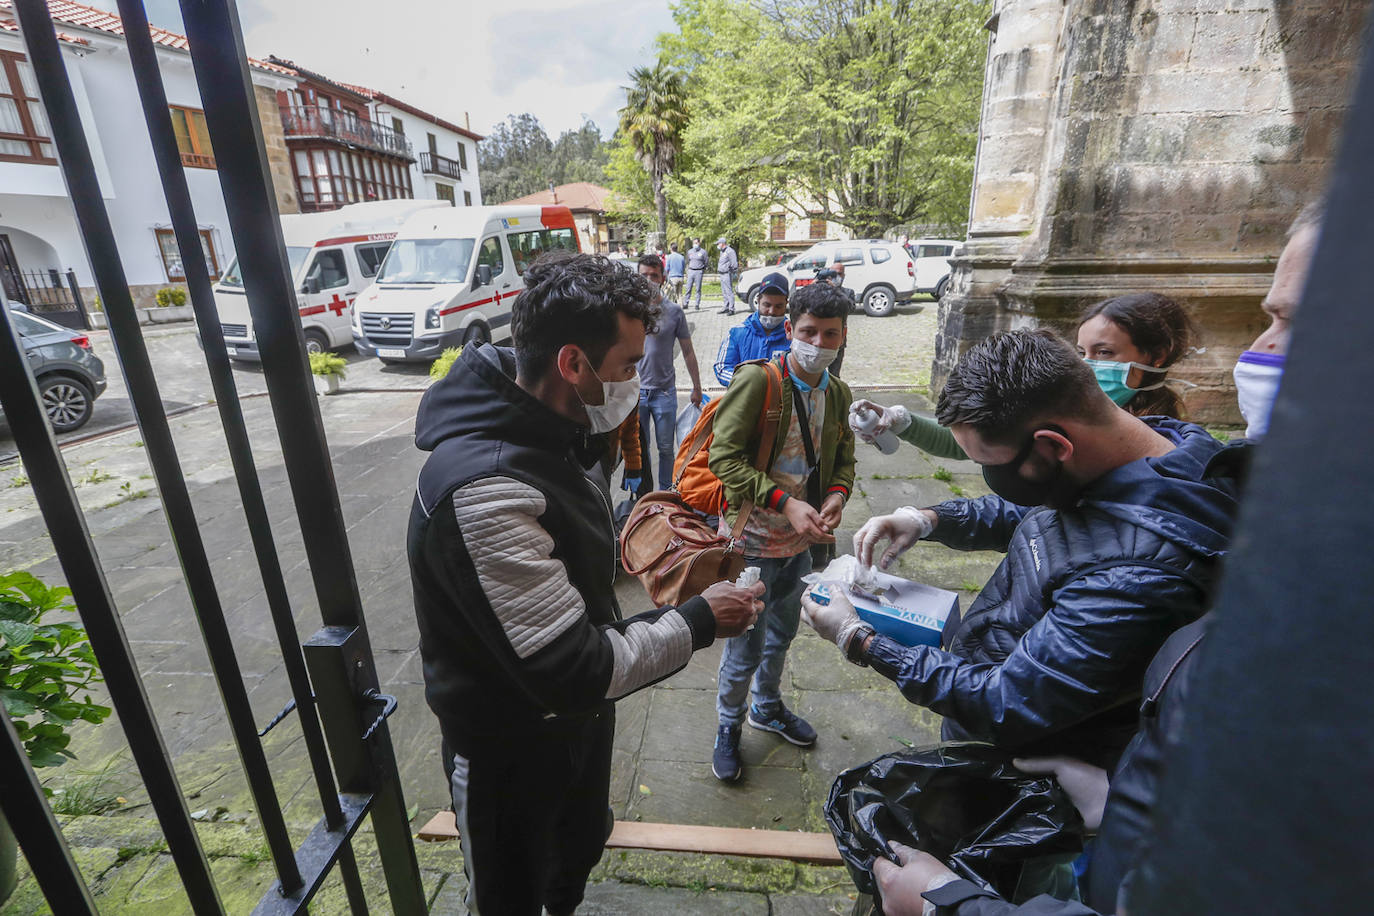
(561, 60)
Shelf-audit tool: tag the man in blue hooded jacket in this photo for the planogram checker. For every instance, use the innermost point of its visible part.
(1112, 530)
(762, 333)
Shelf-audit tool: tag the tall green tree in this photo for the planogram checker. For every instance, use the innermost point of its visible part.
(861, 111)
(652, 121)
(518, 158)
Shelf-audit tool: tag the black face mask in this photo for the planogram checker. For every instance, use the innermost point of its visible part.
(1006, 481)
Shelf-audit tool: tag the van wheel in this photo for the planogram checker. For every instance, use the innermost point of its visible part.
(879, 301)
(476, 334)
(315, 341)
(941, 287)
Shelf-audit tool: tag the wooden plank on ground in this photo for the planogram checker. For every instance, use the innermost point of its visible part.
(816, 848)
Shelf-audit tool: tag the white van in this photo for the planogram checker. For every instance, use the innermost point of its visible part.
(450, 276)
(333, 256)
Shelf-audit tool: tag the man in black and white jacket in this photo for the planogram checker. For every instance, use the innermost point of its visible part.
(512, 560)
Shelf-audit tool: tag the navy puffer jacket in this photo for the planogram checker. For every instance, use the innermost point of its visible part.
(1050, 656)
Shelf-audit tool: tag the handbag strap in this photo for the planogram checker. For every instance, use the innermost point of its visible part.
(813, 479)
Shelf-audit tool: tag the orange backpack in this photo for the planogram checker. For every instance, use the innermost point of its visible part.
(694, 482)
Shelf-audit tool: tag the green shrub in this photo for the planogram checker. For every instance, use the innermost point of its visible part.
(439, 368)
(170, 295)
(328, 364)
(48, 669)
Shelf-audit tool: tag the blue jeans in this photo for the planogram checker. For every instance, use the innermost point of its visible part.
(661, 404)
(759, 653)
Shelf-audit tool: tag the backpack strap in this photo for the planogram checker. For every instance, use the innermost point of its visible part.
(768, 434)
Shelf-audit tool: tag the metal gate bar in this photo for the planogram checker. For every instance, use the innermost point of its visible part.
(231, 114)
(143, 57)
(75, 551)
(78, 170)
(28, 814)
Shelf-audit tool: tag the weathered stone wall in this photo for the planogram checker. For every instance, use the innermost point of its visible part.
(278, 157)
(1147, 144)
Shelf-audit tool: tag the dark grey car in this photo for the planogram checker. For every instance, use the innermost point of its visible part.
(70, 376)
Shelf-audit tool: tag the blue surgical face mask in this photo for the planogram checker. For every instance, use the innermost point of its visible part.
(1113, 378)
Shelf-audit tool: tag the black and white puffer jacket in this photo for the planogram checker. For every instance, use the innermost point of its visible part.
(512, 561)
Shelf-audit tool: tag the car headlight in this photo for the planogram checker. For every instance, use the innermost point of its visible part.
(432, 317)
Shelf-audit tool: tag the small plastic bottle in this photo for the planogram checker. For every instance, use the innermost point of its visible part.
(887, 441)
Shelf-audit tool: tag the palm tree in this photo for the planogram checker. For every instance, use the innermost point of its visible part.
(654, 117)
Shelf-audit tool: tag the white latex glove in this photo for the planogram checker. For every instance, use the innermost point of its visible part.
(903, 528)
(1086, 784)
(836, 621)
(896, 418)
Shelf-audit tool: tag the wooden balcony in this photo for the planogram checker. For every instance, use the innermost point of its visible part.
(434, 164)
(315, 121)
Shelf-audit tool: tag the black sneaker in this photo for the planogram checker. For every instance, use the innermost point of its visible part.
(783, 721)
(725, 759)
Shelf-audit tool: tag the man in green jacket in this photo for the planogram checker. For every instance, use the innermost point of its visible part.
(797, 503)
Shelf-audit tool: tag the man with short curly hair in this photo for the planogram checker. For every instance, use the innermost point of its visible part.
(512, 561)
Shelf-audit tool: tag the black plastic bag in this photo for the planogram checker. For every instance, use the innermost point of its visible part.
(965, 804)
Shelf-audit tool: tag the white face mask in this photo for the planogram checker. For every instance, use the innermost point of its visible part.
(771, 321)
(811, 358)
(1257, 378)
(618, 399)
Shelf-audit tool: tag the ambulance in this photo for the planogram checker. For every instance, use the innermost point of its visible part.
(451, 276)
(333, 256)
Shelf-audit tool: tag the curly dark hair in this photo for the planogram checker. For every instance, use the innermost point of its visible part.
(1003, 385)
(1160, 328)
(823, 300)
(574, 298)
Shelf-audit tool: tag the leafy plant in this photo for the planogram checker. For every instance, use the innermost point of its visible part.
(86, 795)
(48, 669)
(328, 364)
(19, 480)
(170, 295)
(943, 474)
(439, 368)
(96, 475)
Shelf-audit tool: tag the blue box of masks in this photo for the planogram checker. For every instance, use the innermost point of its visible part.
(908, 612)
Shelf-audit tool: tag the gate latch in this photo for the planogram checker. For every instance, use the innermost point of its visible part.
(388, 703)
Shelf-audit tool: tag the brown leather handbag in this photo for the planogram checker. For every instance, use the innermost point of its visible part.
(671, 548)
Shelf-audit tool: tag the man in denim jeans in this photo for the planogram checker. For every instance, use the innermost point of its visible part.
(797, 503)
(658, 381)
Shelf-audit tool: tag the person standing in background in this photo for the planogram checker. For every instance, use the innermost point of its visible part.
(727, 266)
(696, 269)
(676, 265)
(658, 380)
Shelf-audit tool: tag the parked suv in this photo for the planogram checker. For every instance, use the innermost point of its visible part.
(70, 377)
(881, 274)
(931, 257)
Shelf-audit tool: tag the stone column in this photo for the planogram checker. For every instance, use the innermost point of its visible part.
(1132, 145)
(278, 156)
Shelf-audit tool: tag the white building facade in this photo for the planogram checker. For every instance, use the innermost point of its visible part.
(38, 230)
(445, 166)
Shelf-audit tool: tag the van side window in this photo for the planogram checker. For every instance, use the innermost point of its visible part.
(490, 254)
(370, 257)
(879, 255)
(329, 269)
(849, 256)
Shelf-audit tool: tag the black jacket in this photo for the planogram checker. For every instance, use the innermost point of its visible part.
(512, 561)
(1050, 656)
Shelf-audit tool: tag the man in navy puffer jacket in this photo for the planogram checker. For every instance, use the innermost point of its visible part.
(1112, 530)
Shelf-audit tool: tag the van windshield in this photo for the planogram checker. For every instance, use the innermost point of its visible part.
(427, 261)
(294, 256)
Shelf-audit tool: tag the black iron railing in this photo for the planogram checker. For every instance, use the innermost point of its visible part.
(344, 126)
(332, 678)
(434, 164)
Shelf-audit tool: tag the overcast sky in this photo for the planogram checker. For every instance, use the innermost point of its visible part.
(561, 60)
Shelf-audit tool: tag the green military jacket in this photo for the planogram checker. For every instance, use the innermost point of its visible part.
(734, 443)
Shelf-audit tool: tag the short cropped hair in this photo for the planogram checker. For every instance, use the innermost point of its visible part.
(1006, 384)
(651, 260)
(573, 298)
(673, 247)
(820, 299)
